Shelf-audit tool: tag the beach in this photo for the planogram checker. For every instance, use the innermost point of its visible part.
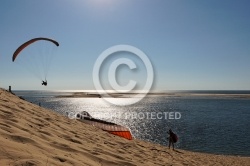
(32, 135)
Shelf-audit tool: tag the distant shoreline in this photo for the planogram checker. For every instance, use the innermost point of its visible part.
(176, 94)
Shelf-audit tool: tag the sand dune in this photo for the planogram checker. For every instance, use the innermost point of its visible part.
(31, 135)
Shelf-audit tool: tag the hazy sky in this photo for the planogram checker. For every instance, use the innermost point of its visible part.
(193, 45)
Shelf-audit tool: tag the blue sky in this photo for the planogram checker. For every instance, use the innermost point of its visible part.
(193, 45)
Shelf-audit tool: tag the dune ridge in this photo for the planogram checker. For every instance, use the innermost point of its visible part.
(31, 135)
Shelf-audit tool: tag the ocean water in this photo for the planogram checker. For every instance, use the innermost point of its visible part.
(211, 124)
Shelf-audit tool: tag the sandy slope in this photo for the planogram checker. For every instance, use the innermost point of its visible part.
(31, 135)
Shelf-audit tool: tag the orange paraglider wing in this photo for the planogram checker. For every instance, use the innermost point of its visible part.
(110, 127)
(24, 45)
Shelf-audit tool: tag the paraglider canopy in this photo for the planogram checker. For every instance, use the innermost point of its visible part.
(20, 48)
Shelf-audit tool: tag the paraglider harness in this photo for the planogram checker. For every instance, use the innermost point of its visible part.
(44, 83)
(173, 136)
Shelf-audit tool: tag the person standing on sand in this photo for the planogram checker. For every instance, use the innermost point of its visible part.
(172, 138)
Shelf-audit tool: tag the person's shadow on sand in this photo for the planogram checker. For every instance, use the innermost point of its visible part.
(178, 151)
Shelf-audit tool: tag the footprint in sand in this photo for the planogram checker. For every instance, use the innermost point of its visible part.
(68, 138)
(7, 112)
(27, 163)
(60, 159)
(63, 147)
(6, 128)
(20, 139)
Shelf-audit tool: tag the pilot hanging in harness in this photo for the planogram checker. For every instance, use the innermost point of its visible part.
(44, 83)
